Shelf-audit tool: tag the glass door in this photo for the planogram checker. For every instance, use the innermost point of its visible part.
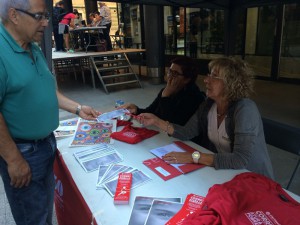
(259, 40)
(289, 66)
(174, 30)
(131, 25)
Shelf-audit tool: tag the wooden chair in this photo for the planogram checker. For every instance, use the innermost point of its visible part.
(284, 137)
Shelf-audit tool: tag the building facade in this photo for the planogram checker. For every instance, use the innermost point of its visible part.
(264, 33)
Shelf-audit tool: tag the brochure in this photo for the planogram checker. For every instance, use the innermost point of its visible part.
(141, 207)
(69, 122)
(104, 117)
(123, 189)
(66, 128)
(92, 132)
(91, 158)
(111, 172)
(101, 173)
(138, 178)
(191, 204)
(161, 211)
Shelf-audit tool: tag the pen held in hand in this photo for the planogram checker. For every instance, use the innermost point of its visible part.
(137, 117)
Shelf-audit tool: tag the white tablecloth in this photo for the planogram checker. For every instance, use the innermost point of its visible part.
(101, 203)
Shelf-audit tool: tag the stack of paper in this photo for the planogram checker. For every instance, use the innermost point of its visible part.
(110, 172)
(66, 128)
(123, 189)
(91, 158)
(138, 178)
(118, 113)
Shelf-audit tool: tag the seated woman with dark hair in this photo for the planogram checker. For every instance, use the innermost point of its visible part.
(228, 122)
(181, 97)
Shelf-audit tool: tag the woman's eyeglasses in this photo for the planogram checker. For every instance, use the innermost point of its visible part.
(36, 16)
(174, 73)
(214, 76)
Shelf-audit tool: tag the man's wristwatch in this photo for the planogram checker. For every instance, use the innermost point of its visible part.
(196, 156)
(78, 109)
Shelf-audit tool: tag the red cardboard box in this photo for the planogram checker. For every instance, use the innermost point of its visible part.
(122, 194)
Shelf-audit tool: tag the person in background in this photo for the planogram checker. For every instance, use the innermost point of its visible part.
(98, 20)
(228, 122)
(67, 23)
(92, 19)
(78, 20)
(106, 16)
(181, 97)
(29, 112)
(78, 36)
(58, 38)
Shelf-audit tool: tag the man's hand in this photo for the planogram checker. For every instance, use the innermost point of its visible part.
(17, 167)
(88, 113)
(19, 172)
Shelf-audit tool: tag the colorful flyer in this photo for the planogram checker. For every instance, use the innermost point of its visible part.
(93, 132)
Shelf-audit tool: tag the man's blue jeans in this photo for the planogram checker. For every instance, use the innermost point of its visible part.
(33, 205)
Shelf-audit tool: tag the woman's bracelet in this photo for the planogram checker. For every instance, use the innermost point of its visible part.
(167, 128)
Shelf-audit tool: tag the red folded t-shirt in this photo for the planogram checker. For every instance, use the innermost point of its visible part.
(247, 199)
(133, 135)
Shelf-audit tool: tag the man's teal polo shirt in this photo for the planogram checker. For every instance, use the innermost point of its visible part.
(28, 98)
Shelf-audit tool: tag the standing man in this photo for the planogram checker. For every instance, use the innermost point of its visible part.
(29, 112)
(106, 15)
(58, 38)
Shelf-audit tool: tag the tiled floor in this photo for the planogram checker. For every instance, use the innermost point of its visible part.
(276, 101)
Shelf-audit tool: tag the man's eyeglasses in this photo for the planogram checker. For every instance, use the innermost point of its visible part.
(214, 76)
(174, 73)
(36, 16)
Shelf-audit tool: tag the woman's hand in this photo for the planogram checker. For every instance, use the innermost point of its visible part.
(132, 108)
(88, 113)
(148, 119)
(173, 86)
(178, 157)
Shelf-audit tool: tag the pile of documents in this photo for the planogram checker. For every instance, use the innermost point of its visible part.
(92, 157)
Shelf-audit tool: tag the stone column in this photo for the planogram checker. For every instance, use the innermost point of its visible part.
(154, 42)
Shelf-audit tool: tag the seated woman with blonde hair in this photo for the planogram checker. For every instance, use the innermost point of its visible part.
(228, 122)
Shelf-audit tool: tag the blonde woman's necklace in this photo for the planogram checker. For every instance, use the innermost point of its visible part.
(221, 114)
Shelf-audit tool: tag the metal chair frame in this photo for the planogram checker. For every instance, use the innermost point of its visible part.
(284, 137)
